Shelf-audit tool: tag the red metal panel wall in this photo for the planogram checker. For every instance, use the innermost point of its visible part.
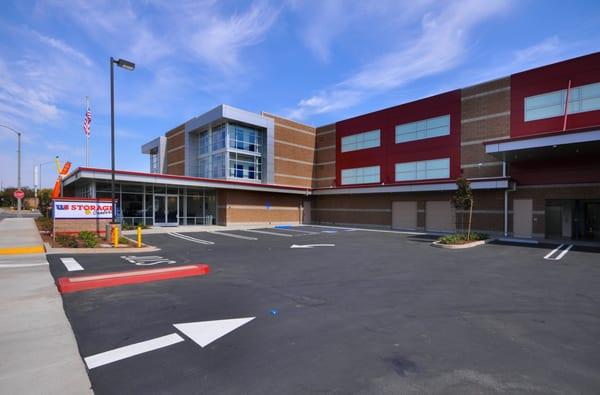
(575, 170)
(389, 153)
(581, 71)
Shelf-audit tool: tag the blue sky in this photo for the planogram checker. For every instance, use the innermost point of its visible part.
(314, 61)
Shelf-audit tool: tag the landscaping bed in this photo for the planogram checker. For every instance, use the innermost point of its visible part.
(84, 239)
(461, 240)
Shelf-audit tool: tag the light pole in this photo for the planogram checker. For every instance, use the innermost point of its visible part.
(18, 164)
(127, 65)
(39, 166)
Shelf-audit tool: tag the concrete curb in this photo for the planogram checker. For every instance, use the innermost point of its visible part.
(84, 283)
(104, 250)
(461, 246)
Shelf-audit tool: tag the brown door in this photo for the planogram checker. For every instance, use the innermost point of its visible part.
(440, 216)
(522, 218)
(404, 215)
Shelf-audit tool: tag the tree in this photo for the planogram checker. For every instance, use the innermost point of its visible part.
(463, 199)
(45, 201)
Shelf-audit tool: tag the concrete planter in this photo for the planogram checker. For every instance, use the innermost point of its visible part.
(460, 246)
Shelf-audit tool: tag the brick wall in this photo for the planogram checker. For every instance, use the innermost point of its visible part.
(175, 151)
(324, 169)
(74, 226)
(259, 208)
(485, 116)
(294, 152)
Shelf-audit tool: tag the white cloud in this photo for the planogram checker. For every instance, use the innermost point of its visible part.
(440, 45)
(63, 47)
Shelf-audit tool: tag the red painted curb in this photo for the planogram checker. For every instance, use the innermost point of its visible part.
(82, 283)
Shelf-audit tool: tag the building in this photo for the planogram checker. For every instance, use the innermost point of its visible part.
(535, 172)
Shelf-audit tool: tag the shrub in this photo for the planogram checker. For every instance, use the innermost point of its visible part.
(67, 241)
(123, 240)
(462, 238)
(45, 224)
(89, 239)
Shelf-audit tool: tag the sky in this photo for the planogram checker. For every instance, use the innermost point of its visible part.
(315, 61)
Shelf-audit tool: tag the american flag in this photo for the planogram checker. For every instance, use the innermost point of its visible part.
(87, 121)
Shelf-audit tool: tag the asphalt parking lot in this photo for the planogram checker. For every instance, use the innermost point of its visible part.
(358, 312)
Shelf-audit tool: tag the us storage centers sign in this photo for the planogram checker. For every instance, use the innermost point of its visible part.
(69, 209)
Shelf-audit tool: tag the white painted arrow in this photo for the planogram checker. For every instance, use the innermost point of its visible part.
(311, 245)
(206, 332)
(202, 333)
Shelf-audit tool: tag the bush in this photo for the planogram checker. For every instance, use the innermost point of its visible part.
(89, 239)
(45, 224)
(123, 240)
(461, 238)
(67, 241)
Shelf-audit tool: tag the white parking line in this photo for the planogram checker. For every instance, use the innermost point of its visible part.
(267, 233)
(557, 249)
(71, 264)
(190, 238)
(234, 235)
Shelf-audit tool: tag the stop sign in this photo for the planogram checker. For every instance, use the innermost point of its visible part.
(19, 194)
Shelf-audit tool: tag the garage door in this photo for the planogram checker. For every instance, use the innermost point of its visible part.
(404, 215)
(440, 216)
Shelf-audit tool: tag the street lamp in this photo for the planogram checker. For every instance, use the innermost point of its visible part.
(127, 65)
(18, 163)
(39, 166)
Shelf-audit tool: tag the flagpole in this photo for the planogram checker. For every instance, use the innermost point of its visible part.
(87, 135)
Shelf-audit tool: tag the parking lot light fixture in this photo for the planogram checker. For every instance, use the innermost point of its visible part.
(127, 65)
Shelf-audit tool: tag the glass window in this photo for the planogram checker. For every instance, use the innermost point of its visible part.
(204, 167)
(552, 104)
(245, 166)
(218, 165)
(245, 138)
(154, 161)
(432, 127)
(218, 137)
(361, 141)
(203, 143)
(423, 170)
(360, 175)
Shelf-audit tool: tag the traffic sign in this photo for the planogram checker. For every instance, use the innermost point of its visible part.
(19, 194)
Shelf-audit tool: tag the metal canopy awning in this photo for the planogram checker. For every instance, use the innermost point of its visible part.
(552, 146)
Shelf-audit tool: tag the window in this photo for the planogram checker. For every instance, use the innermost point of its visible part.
(154, 161)
(427, 128)
(203, 143)
(245, 166)
(204, 167)
(218, 137)
(581, 99)
(360, 175)
(245, 138)
(218, 165)
(423, 170)
(360, 141)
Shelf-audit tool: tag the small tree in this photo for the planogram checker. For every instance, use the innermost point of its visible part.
(463, 199)
(45, 201)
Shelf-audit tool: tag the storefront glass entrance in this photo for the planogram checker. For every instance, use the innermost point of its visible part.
(166, 208)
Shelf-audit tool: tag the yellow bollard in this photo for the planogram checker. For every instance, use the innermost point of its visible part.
(116, 236)
(139, 237)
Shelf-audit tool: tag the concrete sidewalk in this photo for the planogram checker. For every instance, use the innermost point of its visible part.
(19, 236)
(39, 351)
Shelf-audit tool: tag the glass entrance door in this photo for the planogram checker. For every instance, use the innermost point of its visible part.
(166, 208)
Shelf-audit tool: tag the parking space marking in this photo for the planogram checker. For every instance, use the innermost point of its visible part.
(147, 260)
(556, 250)
(267, 233)
(233, 235)
(190, 238)
(93, 361)
(71, 264)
